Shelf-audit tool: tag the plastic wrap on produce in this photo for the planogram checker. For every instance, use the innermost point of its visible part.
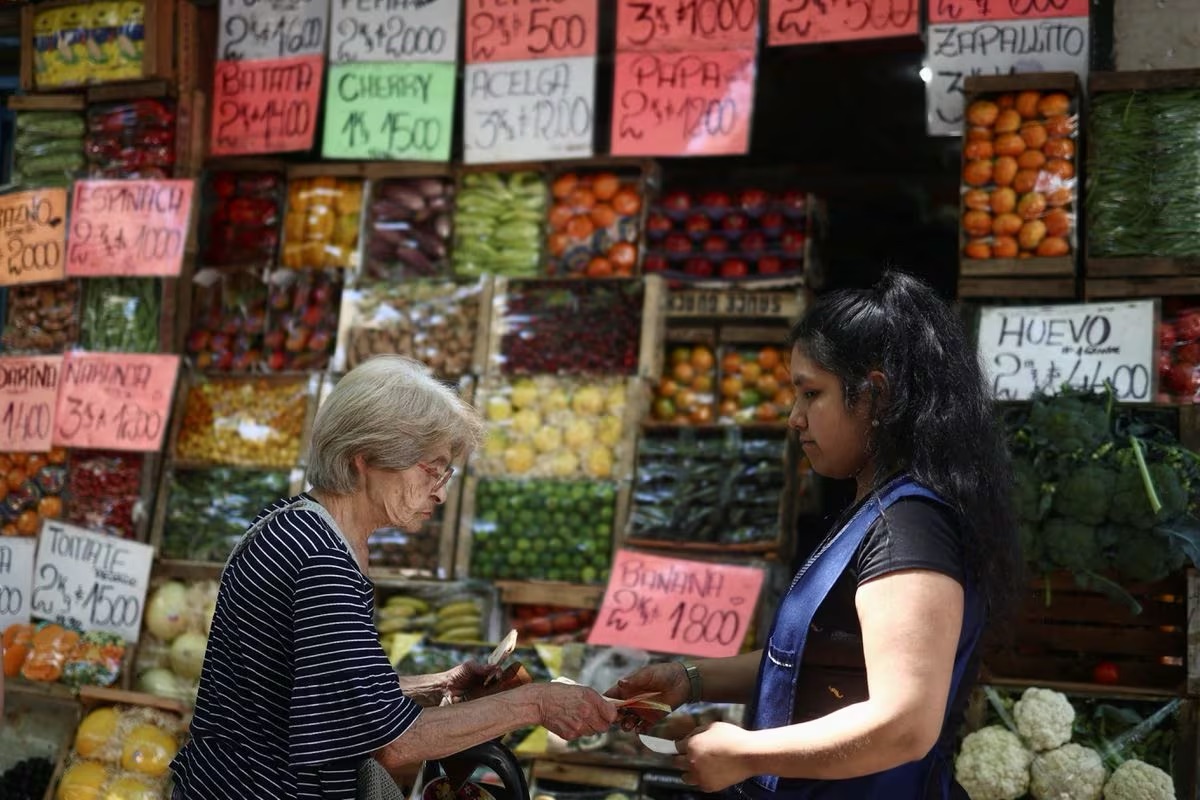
(121, 315)
(34, 484)
(594, 224)
(48, 149)
(1179, 351)
(104, 491)
(243, 212)
(433, 322)
(208, 510)
(49, 653)
(498, 220)
(302, 319)
(177, 622)
(551, 327)
(122, 751)
(131, 140)
(731, 235)
(88, 43)
(542, 530)
(229, 317)
(409, 233)
(42, 317)
(1143, 198)
(321, 227)
(550, 427)
(244, 422)
(1020, 197)
(721, 490)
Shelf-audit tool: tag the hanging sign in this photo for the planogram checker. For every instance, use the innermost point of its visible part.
(794, 22)
(16, 580)
(1034, 349)
(956, 52)
(992, 10)
(90, 581)
(136, 227)
(687, 24)
(28, 398)
(498, 30)
(115, 401)
(683, 104)
(669, 605)
(33, 236)
(393, 30)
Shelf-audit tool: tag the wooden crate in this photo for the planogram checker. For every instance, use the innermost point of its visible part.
(982, 87)
(1037, 289)
(37, 724)
(47, 102)
(1064, 640)
(1136, 287)
(158, 51)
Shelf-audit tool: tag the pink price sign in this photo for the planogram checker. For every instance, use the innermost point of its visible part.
(268, 106)
(941, 11)
(137, 227)
(504, 30)
(683, 104)
(817, 21)
(669, 605)
(687, 24)
(115, 401)
(28, 394)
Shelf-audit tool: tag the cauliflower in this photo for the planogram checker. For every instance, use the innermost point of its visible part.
(1137, 780)
(993, 765)
(1072, 772)
(1044, 719)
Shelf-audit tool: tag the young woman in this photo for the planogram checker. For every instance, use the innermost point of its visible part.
(890, 394)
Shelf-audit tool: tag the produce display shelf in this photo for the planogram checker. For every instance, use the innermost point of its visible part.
(1143, 80)
(1017, 288)
(1018, 267)
(47, 102)
(605, 772)
(1142, 267)
(651, 427)
(1193, 633)
(552, 593)
(153, 89)
(1113, 691)
(1113, 288)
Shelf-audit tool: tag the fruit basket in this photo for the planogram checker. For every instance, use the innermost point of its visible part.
(446, 611)
(302, 319)
(498, 220)
(594, 223)
(33, 490)
(228, 320)
(409, 230)
(34, 737)
(105, 490)
(1020, 198)
(175, 632)
(242, 214)
(321, 226)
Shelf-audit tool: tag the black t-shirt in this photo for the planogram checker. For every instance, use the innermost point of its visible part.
(913, 533)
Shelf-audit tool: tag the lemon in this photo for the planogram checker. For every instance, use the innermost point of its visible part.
(609, 432)
(588, 402)
(524, 395)
(579, 434)
(498, 409)
(547, 440)
(82, 781)
(598, 462)
(518, 459)
(556, 400)
(564, 464)
(526, 421)
(149, 750)
(95, 731)
(615, 401)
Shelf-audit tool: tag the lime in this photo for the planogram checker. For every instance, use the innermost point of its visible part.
(588, 575)
(523, 544)
(537, 545)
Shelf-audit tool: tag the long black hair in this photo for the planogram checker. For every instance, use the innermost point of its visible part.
(936, 418)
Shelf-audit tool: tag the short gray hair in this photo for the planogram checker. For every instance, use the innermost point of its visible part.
(392, 412)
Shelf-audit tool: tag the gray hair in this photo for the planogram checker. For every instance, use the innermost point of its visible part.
(392, 412)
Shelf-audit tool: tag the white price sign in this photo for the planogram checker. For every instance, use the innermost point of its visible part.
(394, 30)
(957, 52)
(16, 580)
(90, 581)
(529, 110)
(1042, 348)
(256, 30)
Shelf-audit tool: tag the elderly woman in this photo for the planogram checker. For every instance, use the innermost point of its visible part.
(296, 692)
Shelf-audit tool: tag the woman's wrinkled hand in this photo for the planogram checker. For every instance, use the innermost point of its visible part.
(667, 679)
(714, 757)
(467, 678)
(572, 711)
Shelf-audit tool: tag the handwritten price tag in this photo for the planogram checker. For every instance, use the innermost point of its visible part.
(386, 30)
(115, 401)
(90, 581)
(669, 605)
(812, 21)
(28, 394)
(529, 110)
(265, 106)
(390, 111)
(499, 30)
(253, 30)
(1032, 349)
(990, 10)
(679, 104)
(687, 24)
(956, 52)
(33, 236)
(16, 580)
(129, 227)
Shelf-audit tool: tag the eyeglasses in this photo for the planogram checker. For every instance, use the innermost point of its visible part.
(441, 478)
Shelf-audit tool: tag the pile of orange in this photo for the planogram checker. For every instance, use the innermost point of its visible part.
(1019, 156)
(593, 225)
(684, 396)
(756, 385)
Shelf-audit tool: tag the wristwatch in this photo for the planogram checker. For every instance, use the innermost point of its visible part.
(693, 676)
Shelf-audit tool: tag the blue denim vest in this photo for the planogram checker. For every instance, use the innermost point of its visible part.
(931, 777)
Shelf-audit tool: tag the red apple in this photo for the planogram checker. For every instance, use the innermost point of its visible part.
(752, 200)
(772, 222)
(794, 203)
(678, 244)
(1166, 335)
(698, 223)
(678, 201)
(1165, 362)
(654, 263)
(698, 266)
(718, 201)
(1183, 380)
(658, 223)
(1187, 327)
(1189, 353)
(769, 265)
(716, 245)
(753, 243)
(734, 268)
(793, 242)
(735, 223)
(276, 361)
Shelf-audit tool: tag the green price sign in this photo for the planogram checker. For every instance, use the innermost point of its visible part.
(402, 111)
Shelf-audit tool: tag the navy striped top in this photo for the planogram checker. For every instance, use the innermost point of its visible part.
(296, 690)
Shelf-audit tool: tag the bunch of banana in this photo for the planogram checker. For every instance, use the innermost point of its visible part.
(404, 614)
(459, 619)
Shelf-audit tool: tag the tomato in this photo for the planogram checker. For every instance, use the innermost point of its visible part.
(1187, 327)
(1106, 673)
(1166, 335)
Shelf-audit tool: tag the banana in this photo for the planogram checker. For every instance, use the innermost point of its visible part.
(404, 601)
(397, 612)
(393, 625)
(458, 606)
(474, 623)
(459, 635)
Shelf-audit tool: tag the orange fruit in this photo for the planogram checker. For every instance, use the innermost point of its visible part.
(767, 412)
(1059, 148)
(1060, 167)
(623, 255)
(1009, 121)
(731, 386)
(603, 216)
(768, 358)
(1060, 125)
(1007, 225)
(1025, 181)
(979, 134)
(1031, 159)
(559, 242)
(1053, 247)
(1058, 222)
(731, 362)
(1031, 234)
(1053, 105)
(977, 150)
(599, 268)
(684, 373)
(1010, 144)
(977, 199)
(977, 173)
(1003, 200)
(701, 415)
(1059, 197)
(1035, 135)
(977, 223)
(728, 409)
(1005, 247)
(27, 523)
(15, 478)
(50, 507)
(982, 113)
(605, 186)
(978, 248)
(1004, 171)
(559, 216)
(564, 185)
(703, 359)
(1008, 100)
(581, 199)
(1031, 206)
(627, 203)
(1027, 104)
(580, 227)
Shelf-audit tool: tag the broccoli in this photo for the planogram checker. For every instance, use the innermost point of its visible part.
(1085, 494)
(1027, 491)
(1130, 507)
(1071, 545)
(1170, 490)
(1074, 425)
(1146, 556)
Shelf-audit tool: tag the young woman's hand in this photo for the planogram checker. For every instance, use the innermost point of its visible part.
(714, 757)
(667, 679)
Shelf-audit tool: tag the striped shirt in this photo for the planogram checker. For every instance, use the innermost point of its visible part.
(296, 691)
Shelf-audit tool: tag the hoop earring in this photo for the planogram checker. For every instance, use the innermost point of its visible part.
(874, 423)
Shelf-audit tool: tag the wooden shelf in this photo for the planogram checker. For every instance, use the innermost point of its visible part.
(1116, 692)
(548, 593)
(47, 102)
(1018, 267)
(1143, 80)
(1142, 267)
(750, 429)
(1034, 81)
(1123, 288)
(605, 771)
(1017, 288)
